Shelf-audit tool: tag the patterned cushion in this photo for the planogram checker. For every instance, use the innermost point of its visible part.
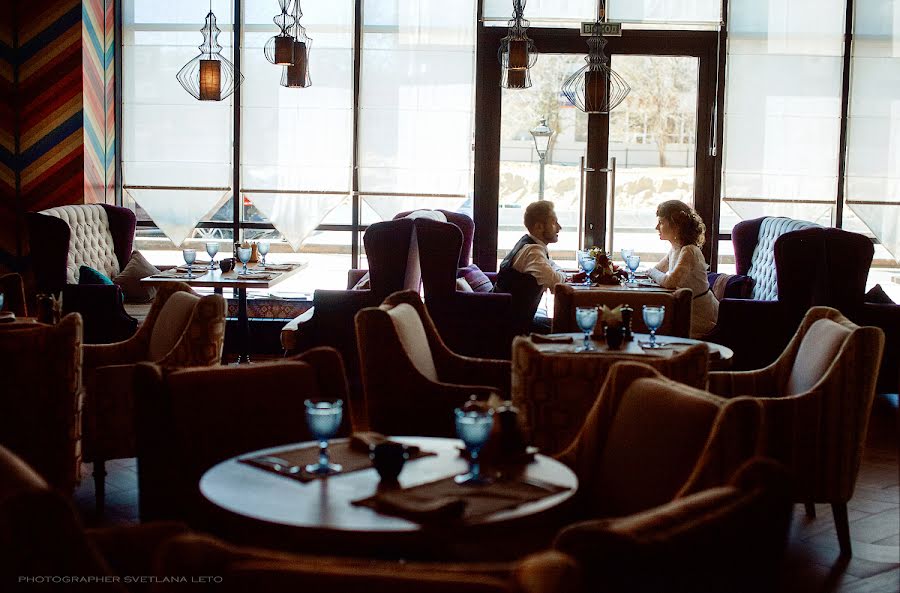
(88, 275)
(90, 243)
(730, 286)
(877, 295)
(475, 278)
(463, 286)
(130, 279)
(762, 264)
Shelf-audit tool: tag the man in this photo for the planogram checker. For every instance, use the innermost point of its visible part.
(527, 271)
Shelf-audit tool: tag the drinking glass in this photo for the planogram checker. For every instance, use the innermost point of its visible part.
(653, 319)
(244, 256)
(190, 256)
(588, 263)
(1, 301)
(625, 254)
(473, 427)
(586, 318)
(324, 419)
(632, 261)
(212, 248)
(263, 248)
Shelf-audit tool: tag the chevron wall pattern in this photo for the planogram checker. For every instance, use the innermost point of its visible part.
(57, 117)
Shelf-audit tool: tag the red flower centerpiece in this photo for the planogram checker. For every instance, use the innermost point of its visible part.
(605, 271)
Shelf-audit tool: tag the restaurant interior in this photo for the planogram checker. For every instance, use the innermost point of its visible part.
(265, 322)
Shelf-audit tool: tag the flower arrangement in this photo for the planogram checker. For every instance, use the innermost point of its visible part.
(606, 272)
(611, 317)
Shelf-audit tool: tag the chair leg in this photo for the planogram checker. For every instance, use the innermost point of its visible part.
(100, 485)
(842, 525)
(810, 510)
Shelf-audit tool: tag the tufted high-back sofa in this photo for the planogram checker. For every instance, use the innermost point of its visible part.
(99, 236)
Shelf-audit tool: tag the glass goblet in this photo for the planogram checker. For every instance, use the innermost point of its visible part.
(632, 261)
(1, 301)
(190, 256)
(324, 419)
(653, 319)
(588, 263)
(586, 318)
(473, 427)
(263, 248)
(212, 248)
(244, 256)
(625, 254)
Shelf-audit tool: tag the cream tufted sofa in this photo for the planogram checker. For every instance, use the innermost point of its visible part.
(99, 236)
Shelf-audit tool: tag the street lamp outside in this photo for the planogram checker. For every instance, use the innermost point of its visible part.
(542, 135)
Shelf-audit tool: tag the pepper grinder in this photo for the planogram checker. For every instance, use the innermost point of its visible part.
(627, 313)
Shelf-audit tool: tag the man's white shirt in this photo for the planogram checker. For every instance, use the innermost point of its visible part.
(534, 259)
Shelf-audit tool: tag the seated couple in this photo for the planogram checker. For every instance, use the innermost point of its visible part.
(527, 271)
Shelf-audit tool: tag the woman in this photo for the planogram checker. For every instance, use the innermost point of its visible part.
(685, 266)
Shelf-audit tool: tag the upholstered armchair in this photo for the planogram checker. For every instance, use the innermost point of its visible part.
(42, 397)
(816, 400)
(411, 380)
(190, 419)
(13, 294)
(182, 329)
(63, 239)
(729, 538)
(678, 307)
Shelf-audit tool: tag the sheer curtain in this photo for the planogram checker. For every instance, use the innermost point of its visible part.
(416, 102)
(176, 151)
(570, 13)
(782, 109)
(873, 143)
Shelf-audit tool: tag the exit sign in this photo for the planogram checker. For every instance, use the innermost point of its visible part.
(605, 29)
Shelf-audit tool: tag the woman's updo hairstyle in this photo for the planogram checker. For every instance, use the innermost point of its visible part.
(687, 223)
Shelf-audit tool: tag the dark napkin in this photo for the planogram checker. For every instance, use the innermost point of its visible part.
(351, 458)
(551, 339)
(444, 499)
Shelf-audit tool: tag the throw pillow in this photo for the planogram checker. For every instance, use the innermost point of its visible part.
(129, 279)
(363, 283)
(463, 286)
(730, 286)
(88, 275)
(475, 278)
(877, 295)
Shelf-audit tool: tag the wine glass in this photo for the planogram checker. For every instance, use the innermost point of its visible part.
(588, 263)
(263, 248)
(586, 318)
(653, 319)
(625, 254)
(212, 248)
(473, 427)
(324, 419)
(190, 256)
(632, 261)
(1, 301)
(244, 256)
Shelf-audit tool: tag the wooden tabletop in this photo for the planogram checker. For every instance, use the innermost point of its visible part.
(633, 348)
(204, 277)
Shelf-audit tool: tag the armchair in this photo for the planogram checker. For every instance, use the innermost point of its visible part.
(63, 239)
(678, 307)
(411, 380)
(816, 401)
(181, 330)
(42, 397)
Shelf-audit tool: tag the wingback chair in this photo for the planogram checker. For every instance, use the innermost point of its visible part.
(63, 239)
(182, 330)
(465, 225)
(816, 399)
(411, 380)
(42, 397)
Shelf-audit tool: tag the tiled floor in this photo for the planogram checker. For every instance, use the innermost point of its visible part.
(812, 564)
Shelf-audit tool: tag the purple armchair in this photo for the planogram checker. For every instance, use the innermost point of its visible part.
(95, 235)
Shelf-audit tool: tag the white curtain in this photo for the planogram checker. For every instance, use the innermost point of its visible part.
(569, 13)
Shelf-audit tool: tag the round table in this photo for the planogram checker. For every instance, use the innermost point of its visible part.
(319, 514)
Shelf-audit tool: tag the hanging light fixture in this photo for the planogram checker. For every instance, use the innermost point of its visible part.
(279, 49)
(596, 88)
(297, 74)
(517, 52)
(209, 76)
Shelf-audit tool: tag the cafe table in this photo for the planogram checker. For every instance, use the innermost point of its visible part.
(319, 516)
(257, 278)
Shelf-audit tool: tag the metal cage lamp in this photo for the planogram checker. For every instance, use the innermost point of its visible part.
(517, 53)
(296, 75)
(279, 49)
(209, 76)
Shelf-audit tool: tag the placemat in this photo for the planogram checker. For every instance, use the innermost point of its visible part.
(351, 458)
(444, 499)
(278, 267)
(176, 274)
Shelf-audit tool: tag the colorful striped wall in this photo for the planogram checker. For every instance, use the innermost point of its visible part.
(56, 64)
(7, 132)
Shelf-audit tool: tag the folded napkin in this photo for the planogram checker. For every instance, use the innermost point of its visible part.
(363, 441)
(6, 316)
(401, 504)
(551, 339)
(279, 267)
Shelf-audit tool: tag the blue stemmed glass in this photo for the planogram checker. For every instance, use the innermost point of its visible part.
(473, 427)
(588, 263)
(190, 256)
(244, 256)
(632, 261)
(212, 248)
(586, 318)
(263, 248)
(625, 254)
(653, 319)
(1, 301)
(324, 419)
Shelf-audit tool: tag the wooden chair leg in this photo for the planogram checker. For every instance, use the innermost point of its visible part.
(99, 474)
(810, 510)
(842, 525)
